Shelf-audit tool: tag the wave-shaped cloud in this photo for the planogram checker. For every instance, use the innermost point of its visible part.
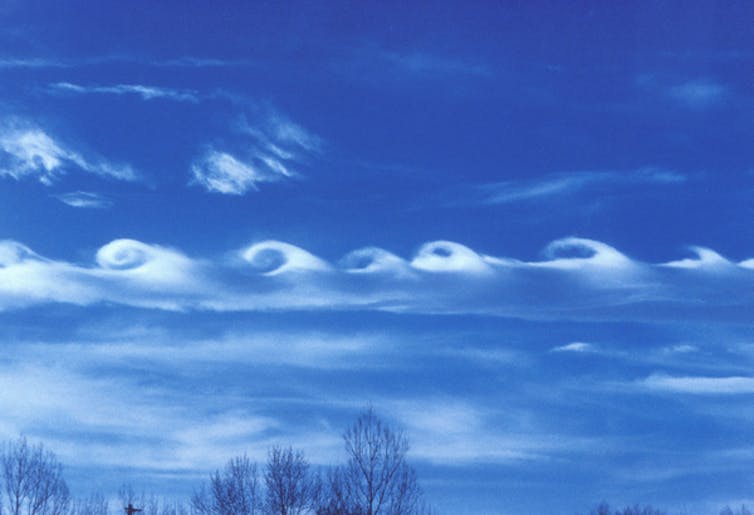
(579, 278)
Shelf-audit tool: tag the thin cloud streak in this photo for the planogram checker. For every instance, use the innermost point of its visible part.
(144, 92)
(578, 347)
(179, 62)
(699, 385)
(85, 200)
(699, 93)
(507, 192)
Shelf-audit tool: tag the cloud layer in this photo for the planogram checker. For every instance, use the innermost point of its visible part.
(580, 278)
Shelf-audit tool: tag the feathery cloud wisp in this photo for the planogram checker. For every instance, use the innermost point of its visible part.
(145, 92)
(700, 385)
(220, 172)
(272, 148)
(28, 151)
(574, 347)
(569, 183)
(85, 199)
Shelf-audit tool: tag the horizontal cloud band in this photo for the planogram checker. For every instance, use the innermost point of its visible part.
(580, 278)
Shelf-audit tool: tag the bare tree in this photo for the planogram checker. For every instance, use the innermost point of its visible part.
(289, 487)
(234, 491)
(639, 510)
(376, 479)
(32, 480)
(604, 509)
(150, 504)
(742, 511)
(94, 505)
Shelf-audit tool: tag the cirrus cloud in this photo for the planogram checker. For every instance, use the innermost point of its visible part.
(27, 151)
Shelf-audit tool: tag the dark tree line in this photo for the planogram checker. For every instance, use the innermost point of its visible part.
(376, 479)
(604, 509)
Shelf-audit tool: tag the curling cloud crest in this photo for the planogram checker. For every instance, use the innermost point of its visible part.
(579, 278)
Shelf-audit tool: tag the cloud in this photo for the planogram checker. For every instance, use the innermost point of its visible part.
(220, 172)
(580, 278)
(272, 148)
(145, 92)
(151, 349)
(699, 385)
(420, 63)
(32, 63)
(180, 62)
(574, 347)
(570, 183)
(85, 200)
(704, 258)
(450, 431)
(144, 427)
(29, 152)
(699, 93)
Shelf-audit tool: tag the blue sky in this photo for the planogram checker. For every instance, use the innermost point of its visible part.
(521, 232)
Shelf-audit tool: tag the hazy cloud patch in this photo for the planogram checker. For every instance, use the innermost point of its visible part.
(568, 183)
(699, 384)
(699, 93)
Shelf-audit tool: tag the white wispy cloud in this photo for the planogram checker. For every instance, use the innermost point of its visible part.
(572, 182)
(422, 63)
(145, 92)
(178, 62)
(32, 62)
(150, 428)
(220, 172)
(575, 347)
(452, 431)
(700, 384)
(85, 199)
(699, 93)
(273, 148)
(151, 349)
(27, 151)
(443, 277)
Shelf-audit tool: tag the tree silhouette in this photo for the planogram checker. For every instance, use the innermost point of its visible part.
(234, 491)
(32, 480)
(290, 489)
(376, 479)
